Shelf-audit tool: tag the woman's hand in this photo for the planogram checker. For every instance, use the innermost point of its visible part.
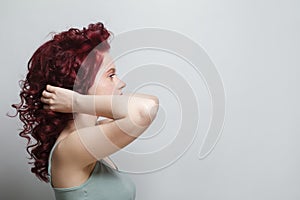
(58, 99)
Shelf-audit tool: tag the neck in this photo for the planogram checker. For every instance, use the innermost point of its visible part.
(84, 120)
(80, 121)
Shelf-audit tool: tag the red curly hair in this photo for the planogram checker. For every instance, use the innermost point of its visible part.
(70, 60)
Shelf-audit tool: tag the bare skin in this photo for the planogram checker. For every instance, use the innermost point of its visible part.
(71, 163)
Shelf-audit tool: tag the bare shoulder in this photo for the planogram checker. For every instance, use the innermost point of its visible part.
(70, 152)
(65, 173)
(84, 146)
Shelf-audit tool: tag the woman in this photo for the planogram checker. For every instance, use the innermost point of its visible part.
(71, 81)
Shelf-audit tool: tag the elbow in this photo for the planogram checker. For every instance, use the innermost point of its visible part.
(148, 111)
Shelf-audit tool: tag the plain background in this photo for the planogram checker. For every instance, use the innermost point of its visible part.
(255, 46)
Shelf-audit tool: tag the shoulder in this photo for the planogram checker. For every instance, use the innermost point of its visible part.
(70, 151)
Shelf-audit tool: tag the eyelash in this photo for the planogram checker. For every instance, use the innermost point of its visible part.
(112, 75)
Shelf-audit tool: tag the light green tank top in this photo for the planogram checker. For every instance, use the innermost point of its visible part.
(104, 183)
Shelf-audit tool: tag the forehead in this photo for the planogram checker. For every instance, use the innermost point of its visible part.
(107, 65)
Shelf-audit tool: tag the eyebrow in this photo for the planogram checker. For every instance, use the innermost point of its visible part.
(111, 69)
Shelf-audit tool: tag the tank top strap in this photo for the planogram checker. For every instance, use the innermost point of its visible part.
(49, 161)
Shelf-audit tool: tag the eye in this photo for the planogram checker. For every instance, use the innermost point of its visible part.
(112, 75)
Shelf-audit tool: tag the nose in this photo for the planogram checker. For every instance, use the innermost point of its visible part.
(121, 84)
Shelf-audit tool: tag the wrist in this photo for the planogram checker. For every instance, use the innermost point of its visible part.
(76, 102)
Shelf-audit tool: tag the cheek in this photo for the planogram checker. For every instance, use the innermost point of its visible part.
(104, 88)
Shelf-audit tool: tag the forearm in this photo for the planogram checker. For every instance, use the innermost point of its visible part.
(113, 106)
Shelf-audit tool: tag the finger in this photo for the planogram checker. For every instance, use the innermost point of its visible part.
(46, 107)
(47, 94)
(42, 100)
(50, 88)
(45, 100)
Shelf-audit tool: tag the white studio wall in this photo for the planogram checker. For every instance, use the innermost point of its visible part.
(253, 47)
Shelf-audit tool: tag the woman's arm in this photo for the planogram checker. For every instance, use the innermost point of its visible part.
(110, 106)
(114, 106)
(132, 116)
(86, 145)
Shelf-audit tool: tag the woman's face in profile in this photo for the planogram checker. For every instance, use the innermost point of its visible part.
(106, 81)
